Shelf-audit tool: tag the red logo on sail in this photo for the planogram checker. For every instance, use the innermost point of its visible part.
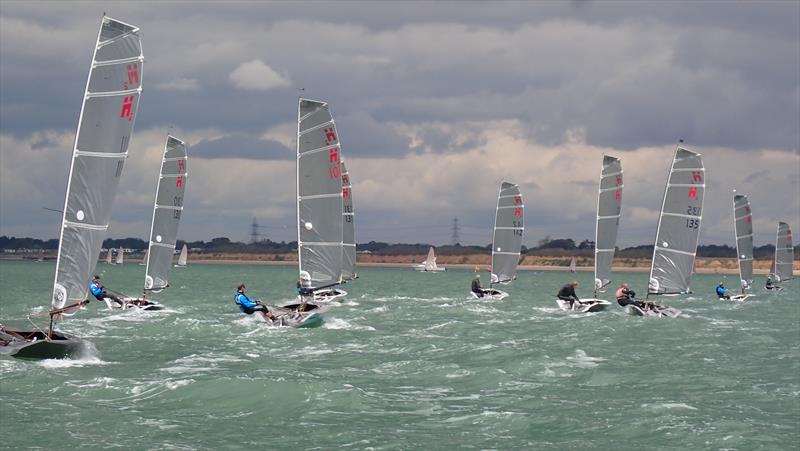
(330, 135)
(618, 194)
(619, 179)
(518, 212)
(133, 74)
(346, 193)
(179, 182)
(181, 165)
(692, 192)
(697, 177)
(517, 200)
(127, 108)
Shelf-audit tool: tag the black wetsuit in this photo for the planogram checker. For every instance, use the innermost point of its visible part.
(567, 293)
(476, 288)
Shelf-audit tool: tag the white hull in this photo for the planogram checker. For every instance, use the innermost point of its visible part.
(423, 269)
(133, 303)
(738, 297)
(490, 294)
(663, 312)
(327, 295)
(584, 306)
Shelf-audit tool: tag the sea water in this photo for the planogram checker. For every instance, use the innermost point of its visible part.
(408, 361)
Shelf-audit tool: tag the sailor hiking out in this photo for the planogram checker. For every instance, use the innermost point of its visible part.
(100, 293)
(722, 292)
(247, 305)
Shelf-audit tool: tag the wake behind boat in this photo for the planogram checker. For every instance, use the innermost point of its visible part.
(98, 157)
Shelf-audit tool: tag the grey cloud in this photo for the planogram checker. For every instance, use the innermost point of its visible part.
(241, 145)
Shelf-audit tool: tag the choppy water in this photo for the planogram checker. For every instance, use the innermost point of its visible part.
(407, 362)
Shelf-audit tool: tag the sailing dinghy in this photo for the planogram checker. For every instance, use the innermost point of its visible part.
(167, 211)
(677, 234)
(573, 265)
(106, 122)
(506, 240)
(144, 259)
(183, 257)
(109, 257)
(743, 229)
(120, 253)
(782, 265)
(319, 216)
(429, 265)
(609, 207)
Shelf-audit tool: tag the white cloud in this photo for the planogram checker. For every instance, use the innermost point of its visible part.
(255, 75)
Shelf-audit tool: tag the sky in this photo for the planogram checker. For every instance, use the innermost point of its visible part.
(435, 105)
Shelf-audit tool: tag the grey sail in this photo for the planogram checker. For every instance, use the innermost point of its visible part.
(609, 206)
(348, 231)
(784, 253)
(106, 122)
(743, 228)
(167, 211)
(508, 229)
(120, 255)
(678, 225)
(319, 195)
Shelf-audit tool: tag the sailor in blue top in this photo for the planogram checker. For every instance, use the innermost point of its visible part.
(722, 292)
(99, 291)
(247, 305)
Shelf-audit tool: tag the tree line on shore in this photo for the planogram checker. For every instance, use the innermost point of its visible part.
(546, 247)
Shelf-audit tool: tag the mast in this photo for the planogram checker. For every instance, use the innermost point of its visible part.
(105, 125)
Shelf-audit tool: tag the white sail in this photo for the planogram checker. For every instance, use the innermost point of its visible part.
(106, 122)
(743, 230)
(120, 255)
(430, 261)
(609, 206)
(184, 257)
(319, 195)
(144, 259)
(573, 264)
(784, 254)
(109, 257)
(348, 231)
(167, 211)
(678, 225)
(507, 237)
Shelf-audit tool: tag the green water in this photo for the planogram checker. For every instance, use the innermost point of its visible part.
(408, 361)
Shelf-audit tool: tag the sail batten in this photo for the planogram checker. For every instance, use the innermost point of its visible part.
(743, 230)
(609, 207)
(507, 235)
(104, 129)
(678, 229)
(167, 212)
(319, 195)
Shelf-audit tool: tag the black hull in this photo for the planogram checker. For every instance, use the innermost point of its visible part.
(33, 344)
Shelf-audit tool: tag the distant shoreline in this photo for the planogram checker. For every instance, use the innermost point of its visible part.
(703, 265)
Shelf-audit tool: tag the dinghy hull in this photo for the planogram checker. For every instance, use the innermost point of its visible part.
(27, 344)
(584, 306)
(491, 295)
